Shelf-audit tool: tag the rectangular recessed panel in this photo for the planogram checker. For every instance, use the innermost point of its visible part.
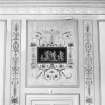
(58, 99)
(52, 53)
(52, 102)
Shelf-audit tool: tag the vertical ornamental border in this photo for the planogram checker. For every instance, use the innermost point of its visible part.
(15, 62)
(88, 63)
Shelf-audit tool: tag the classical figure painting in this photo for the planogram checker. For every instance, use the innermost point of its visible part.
(52, 53)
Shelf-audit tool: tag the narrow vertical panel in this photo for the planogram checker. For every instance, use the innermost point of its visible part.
(15, 62)
(88, 62)
(2, 57)
(102, 57)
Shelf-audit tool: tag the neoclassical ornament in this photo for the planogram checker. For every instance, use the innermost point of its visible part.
(52, 51)
(15, 63)
(88, 63)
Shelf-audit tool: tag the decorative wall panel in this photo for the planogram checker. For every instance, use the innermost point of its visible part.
(52, 53)
(89, 63)
(15, 63)
(54, 99)
(51, 61)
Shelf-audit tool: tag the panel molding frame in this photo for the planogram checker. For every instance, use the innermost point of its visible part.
(75, 85)
(50, 97)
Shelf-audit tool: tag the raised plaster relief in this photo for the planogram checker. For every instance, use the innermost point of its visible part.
(15, 63)
(88, 63)
(52, 53)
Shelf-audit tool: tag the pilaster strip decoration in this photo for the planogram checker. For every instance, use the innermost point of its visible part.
(15, 62)
(88, 63)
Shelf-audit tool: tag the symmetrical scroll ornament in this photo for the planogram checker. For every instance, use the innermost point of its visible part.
(15, 63)
(88, 63)
(52, 51)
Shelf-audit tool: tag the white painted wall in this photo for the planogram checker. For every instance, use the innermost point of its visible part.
(102, 57)
(102, 52)
(2, 34)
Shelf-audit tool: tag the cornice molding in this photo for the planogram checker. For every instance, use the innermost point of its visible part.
(95, 7)
(72, 3)
(52, 11)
